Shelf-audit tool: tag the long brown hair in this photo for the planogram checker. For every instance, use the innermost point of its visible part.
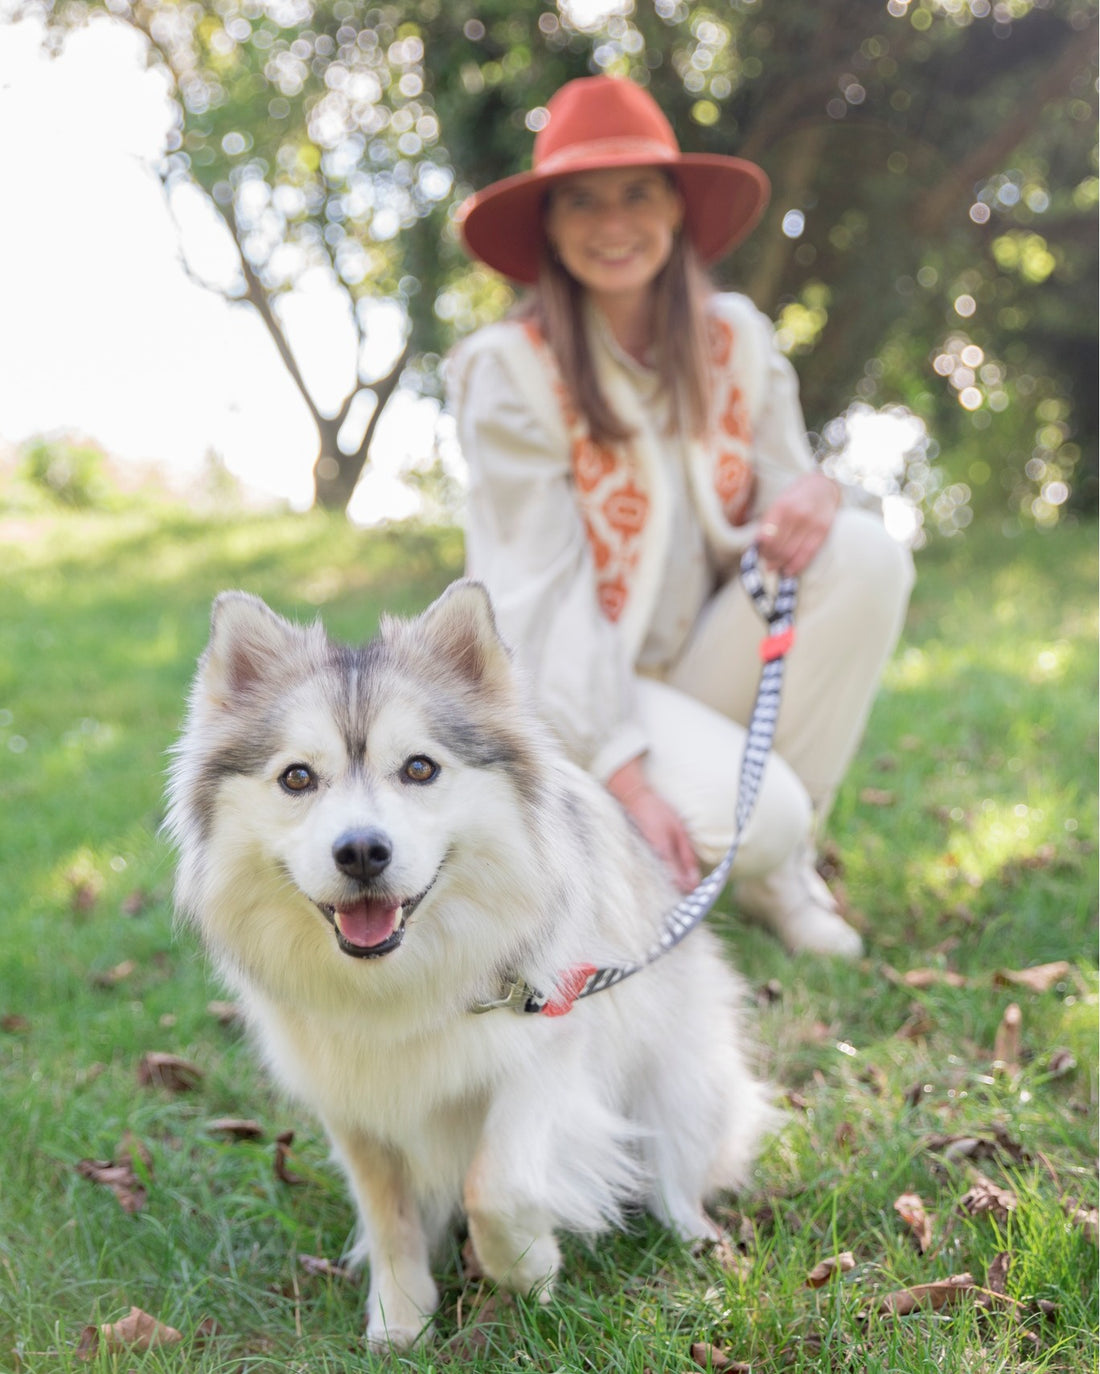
(681, 352)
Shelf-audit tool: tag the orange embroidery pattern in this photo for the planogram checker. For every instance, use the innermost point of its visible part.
(733, 474)
(610, 496)
(609, 485)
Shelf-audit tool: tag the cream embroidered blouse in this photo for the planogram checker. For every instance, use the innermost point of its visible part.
(599, 560)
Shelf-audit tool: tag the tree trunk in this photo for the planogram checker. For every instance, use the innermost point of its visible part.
(335, 473)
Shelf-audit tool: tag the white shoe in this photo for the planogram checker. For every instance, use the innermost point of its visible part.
(793, 902)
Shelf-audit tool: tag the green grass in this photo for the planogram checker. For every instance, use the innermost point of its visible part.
(965, 839)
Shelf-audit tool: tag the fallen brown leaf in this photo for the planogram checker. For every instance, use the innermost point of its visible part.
(317, 1264)
(985, 1196)
(1006, 1043)
(137, 1331)
(988, 1146)
(236, 1127)
(227, 1013)
(876, 796)
(997, 1272)
(710, 1357)
(14, 1024)
(157, 1070)
(827, 1269)
(922, 978)
(1061, 1062)
(283, 1143)
(926, 1295)
(111, 977)
(910, 1207)
(124, 1180)
(1040, 978)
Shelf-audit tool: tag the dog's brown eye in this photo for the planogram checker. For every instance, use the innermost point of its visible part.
(297, 778)
(420, 769)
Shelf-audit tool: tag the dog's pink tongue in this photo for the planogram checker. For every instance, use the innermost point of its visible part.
(367, 923)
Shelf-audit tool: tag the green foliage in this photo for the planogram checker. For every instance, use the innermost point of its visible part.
(66, 472)
(964, 840)
(933, 163)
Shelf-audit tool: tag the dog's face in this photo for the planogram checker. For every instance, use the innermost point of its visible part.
(362, 779)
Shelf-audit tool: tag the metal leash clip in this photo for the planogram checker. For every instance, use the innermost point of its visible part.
(517, 996)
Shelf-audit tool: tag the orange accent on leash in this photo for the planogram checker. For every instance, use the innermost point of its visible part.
(775, 646)
(572, 984)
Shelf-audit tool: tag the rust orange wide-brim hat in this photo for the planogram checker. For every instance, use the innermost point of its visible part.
(607, 121)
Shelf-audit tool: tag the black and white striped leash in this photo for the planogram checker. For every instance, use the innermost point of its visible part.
(585, 979)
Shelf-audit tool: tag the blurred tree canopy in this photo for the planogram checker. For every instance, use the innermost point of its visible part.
(931, 240)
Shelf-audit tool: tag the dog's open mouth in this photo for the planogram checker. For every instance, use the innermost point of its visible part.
(371, 926)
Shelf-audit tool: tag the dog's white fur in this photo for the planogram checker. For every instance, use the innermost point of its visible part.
(529, 1123)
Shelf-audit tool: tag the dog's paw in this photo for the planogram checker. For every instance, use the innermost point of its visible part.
(531, 1271)
(398, 1317)
(383, 1338)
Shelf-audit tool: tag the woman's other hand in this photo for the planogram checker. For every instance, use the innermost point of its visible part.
(794, 526)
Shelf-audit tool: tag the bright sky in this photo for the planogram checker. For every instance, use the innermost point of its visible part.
(103, 332)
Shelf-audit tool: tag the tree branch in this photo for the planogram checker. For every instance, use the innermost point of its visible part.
(383, 389)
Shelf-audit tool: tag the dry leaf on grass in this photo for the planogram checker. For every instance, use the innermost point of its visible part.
(876, 796)
(925, 1295)
(920, 979)
(1040, 978)
(226, 1013)
(997, 1272)
(984, 1196)
(124, 1180)
(827, 1269)
(1061, 1062)
(111, 977)
(324, 1268)
(283, 1143)
(157, 1070)
(710, 1357)
(1006, 1044)
(910, 1207)
(236, 1127)
(14, 1024)
(138, 1331)
(995, 1143)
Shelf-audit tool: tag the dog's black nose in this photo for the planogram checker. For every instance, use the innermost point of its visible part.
(362, 853)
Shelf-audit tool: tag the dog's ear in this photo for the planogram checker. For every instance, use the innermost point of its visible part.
(460, 630)
(249, 644)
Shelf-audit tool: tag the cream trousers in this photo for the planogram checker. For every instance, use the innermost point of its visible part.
(851, 607)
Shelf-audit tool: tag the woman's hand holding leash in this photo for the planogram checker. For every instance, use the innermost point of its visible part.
(795, 525)
(660, 826)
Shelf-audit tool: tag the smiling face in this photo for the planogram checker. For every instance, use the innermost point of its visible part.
(613, 229)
